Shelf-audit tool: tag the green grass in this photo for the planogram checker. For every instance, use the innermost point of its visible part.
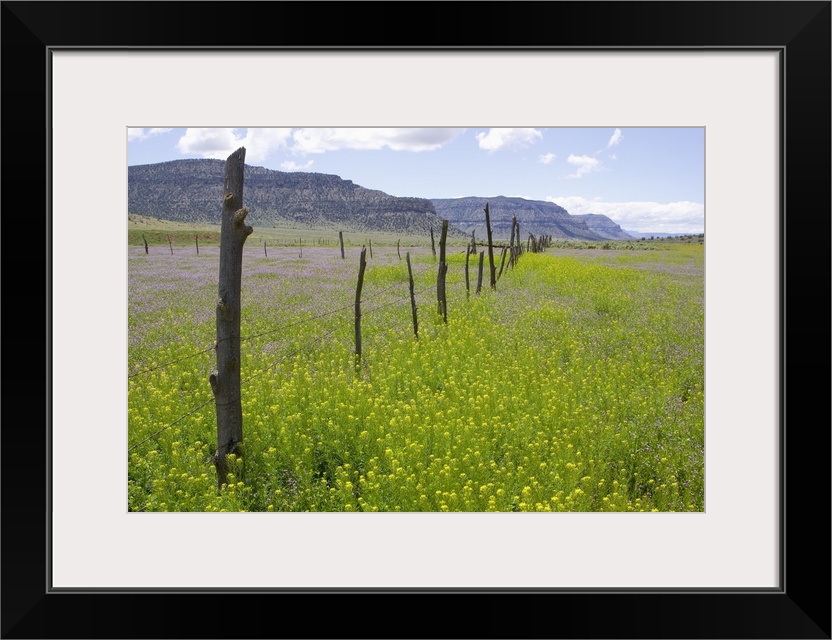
(182, 235)
(576, 386)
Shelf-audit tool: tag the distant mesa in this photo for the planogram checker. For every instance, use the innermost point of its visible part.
(535, 216)
(191, 191)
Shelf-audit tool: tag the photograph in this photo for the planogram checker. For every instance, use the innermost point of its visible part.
(303, 262)
(416, 319)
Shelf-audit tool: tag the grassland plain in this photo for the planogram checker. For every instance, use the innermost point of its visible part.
(576, 386)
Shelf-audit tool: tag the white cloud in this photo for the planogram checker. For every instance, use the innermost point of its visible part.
(222, 142)
(615, 139)
(497, 139)
(137, 133)
(546, 158)
(584, 164)
(319, 140)
(291, 165)
(658, 217)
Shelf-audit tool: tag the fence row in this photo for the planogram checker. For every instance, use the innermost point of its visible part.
(226, 383)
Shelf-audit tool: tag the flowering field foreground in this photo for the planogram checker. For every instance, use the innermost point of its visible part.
(576, 386)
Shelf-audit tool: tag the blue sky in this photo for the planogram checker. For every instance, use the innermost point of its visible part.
(645, 179)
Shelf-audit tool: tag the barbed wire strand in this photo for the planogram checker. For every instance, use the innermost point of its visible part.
(329, 333)
(269, 332)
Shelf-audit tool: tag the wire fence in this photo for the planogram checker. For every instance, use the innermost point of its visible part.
(279, 329)
(313, 318)
(313, 343)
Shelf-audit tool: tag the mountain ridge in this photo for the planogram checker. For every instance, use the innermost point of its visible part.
(538, 217)
(190, 190)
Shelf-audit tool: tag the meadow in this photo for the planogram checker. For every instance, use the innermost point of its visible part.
(576, 385)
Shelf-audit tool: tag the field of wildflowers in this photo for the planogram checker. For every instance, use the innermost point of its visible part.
(576, 386)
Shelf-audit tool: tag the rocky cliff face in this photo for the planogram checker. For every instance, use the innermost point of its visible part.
(535, 216)
(603, 226)
(191, 191)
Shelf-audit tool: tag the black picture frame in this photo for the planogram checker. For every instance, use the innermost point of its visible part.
(800, 608)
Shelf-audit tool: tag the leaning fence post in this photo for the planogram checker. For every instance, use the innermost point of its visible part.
(432, 243)
(502, 262)
(170, 244)
(145, 244)
(361, 266)
(398, 251)
(341, 238)
(443, 269)
(225, 381)
(370, 242)
(412, 298)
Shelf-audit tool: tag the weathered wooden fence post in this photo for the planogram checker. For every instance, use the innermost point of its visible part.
(225, 381)
(443, 270)
(170, 244)
(432, 243)
(196, 239)
(362, 264)
(265, 253)
(412, 298)
(341, 238)
(519, 243)
(370, 242)
(502, 262)
(397, 250)
(467, 281)
(479, 277)
(490, 249)
(473, 247)
(145, 244)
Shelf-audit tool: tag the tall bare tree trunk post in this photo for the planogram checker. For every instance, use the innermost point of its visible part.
(443, 270)
(361, 266)
(341, 238)
(225, 381)
(412, 298)
(490, 249)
